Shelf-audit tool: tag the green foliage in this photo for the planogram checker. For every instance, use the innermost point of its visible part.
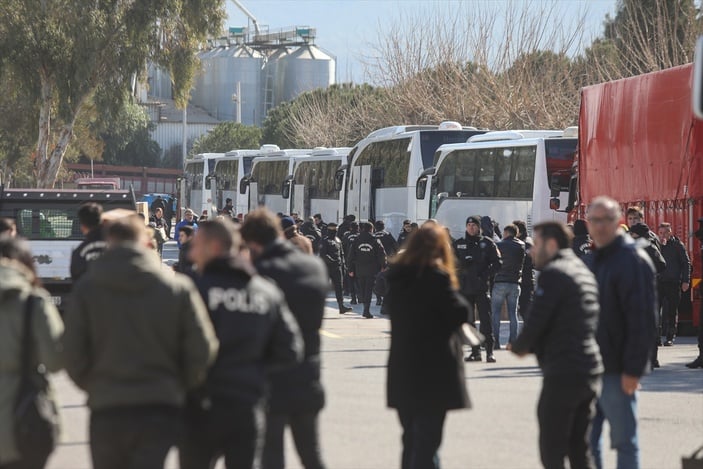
(228, 136)
(127, 139)
(71, 51)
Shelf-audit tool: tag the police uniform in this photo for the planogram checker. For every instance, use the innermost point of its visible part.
(332, 253)
(478, 260)
(366, 259)
(351, 285)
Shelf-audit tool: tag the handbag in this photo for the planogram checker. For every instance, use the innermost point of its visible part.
(161, 237)
(35, 414)
(695, 461)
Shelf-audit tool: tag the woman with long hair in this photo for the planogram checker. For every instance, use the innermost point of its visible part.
(425, 367)
(19, 282)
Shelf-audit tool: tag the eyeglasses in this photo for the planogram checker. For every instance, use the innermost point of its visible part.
(601, 220)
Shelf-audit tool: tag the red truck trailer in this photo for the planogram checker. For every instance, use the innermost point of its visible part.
(640, 144)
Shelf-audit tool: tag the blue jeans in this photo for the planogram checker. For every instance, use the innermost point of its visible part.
(621, 412)
(509, 292)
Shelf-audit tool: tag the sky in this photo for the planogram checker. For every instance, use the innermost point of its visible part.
(348, 29)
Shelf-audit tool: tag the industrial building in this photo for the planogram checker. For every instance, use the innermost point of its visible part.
(251, 70)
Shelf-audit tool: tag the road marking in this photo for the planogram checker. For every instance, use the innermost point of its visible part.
(331, 335)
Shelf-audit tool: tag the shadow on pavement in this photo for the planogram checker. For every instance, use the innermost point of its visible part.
(674, 377)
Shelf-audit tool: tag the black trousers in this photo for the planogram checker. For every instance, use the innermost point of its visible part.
(669, 297)
(137, 437)
(482, 302)
(525, 300)
(335, 273)
(422, 436)
(350, 286)
(365, 291)
(565, 411)
(303, 426)
(230, 429)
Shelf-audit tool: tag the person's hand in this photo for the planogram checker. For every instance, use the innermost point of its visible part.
(509, 347)
(684, 286)
(629, 384)
(351, 274)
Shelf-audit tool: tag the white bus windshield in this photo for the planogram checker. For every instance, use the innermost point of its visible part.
(318, 178)
(269, 175)
(430, 140)
(506, 172)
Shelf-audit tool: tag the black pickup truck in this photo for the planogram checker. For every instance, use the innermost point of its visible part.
(48, 218)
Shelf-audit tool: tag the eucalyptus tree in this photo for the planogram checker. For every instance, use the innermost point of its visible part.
(72, 52)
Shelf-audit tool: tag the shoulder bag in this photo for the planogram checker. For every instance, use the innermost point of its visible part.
(35, 414)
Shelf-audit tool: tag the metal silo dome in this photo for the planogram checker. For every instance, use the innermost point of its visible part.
(241, 64)
(306, 68)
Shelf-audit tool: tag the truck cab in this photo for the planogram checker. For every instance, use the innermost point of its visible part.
(48, 219)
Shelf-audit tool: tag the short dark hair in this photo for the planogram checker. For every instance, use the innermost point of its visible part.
(6, 225)
(261, 226)
(522, 226)
(512, 229)
(89, 214)
(380, 226)
(556, 231)
(635, 210)
(223, 231)
(366, 227)
(227, 200)
(187, 229)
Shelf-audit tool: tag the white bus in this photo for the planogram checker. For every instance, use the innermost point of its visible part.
(195, 185)
(317, 184)
(228, 173)
(385, 166)
(268, 178)
(513, 175)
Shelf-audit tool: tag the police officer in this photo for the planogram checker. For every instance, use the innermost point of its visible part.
(389, 245)
(478, 261)
(351, 284)
(93, 245)
(527, 279)
(310, 231)
(366, 259)
(332, 253)
(256, 331)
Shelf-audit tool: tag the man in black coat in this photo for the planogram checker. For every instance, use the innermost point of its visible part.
(560, 330)
(310, 231)
(626, 329)
(527, 278)
(404, 232)
(366, 259)
(478, 260)
(332, 254)
(389, 245)
(351, 286)
(93, 245)
(673, 280)
(256, 331)
(698, 362)
(296, 395)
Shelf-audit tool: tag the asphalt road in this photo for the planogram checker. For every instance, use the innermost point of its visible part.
(359, 432)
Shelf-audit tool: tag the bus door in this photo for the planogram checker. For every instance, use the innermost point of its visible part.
(253, 195)
(360, 194)
(299, 205)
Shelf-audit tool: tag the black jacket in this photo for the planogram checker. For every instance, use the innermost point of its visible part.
(366, 256)
(304, 281)
(512, 253)
(653, 250)
(388, 242)
(402, 237)
(628, 299)
(478, 260)
(90, 249)
(331, 251)
(425, 366)
(527, 278)
(561, 325)
(581, 246)
(254, 326)
(310, 231)
(185, 265)
(678, 264)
